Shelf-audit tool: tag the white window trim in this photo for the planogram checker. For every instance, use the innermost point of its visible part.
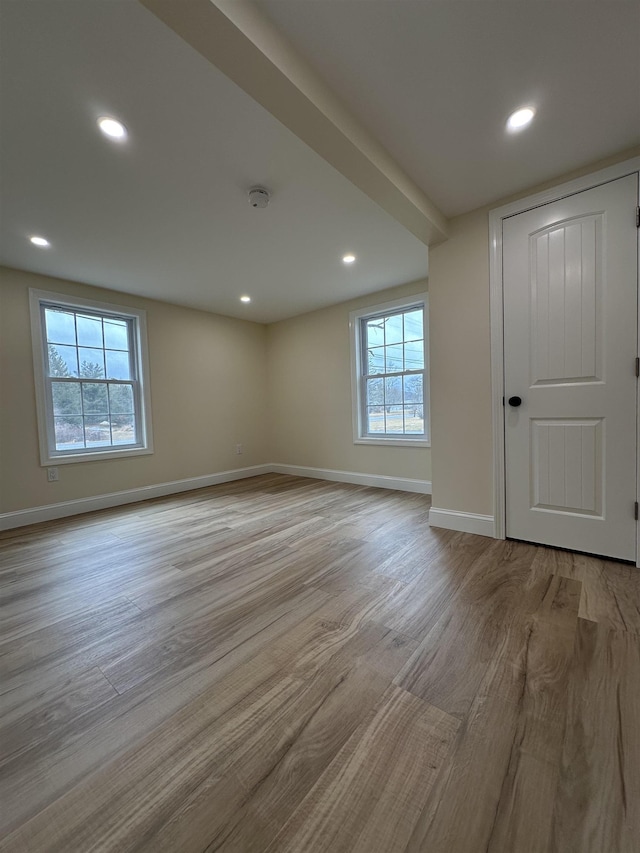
(419, 299)
(49, 457)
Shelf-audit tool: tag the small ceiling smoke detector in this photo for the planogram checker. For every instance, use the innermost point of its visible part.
(259, 197)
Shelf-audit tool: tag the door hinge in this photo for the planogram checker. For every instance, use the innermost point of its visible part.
(635, 510)
(637, 217)
(637, 366)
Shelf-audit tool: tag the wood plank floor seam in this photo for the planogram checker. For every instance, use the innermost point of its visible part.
(282, 665)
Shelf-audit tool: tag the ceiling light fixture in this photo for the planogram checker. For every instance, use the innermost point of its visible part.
(245, 299)
(112, 128)
(40, 241)
(348, 259)
(520, 119)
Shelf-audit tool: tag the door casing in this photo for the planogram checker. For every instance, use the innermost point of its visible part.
(628, 167)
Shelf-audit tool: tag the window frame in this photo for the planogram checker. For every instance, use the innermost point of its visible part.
(357, 319)
(39, 300)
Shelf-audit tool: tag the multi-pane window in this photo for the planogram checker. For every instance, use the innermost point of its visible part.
(90, 380)
(391, 373)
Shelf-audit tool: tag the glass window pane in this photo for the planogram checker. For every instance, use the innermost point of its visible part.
(413, 419)
(117, 365)
(66, 398)
(61, 327)
(414, 355)
(116, 334)
(375, 419)
(392, 390)
(375, 392)
(94, 398)
(413, 389)
(63, 360)
(91, 363)
(393, 329)
(121, 399)
(89, 331)
(413, 325)
(375, 360)
(97, 431)
(375, 332)
(393, 358)
(394, 420)
(69, 433)
(123, 429)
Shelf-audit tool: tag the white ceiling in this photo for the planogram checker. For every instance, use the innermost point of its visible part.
(435, 82)
(166, 215)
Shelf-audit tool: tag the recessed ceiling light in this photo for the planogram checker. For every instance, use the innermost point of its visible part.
(245, 299)
(112, 128)
(348, 259)
(40, 241)
(520, 119)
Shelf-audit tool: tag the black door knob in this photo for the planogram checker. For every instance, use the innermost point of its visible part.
(515, 402)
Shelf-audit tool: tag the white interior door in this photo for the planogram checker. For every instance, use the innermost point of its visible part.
(571, 322)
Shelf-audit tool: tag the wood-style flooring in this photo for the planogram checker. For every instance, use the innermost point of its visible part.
(282, 664)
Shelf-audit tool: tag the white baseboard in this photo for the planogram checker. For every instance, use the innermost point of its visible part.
(465, 522)
(22, 517)
(381, 481)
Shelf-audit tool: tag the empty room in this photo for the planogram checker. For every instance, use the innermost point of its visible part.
(319, 426)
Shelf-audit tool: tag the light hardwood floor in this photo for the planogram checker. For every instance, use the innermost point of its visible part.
(283, 664)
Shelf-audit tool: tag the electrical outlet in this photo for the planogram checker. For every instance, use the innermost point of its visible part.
(238, 449)
(52, 475)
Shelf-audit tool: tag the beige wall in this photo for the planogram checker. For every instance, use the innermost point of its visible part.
(310, 395)
(461, 368)
(461, 423)
(208, 391)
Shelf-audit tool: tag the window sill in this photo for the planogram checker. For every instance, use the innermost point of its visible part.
(394, 442)
(97, 456)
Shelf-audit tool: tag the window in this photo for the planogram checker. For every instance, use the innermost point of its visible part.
(390, 376)
(91, 379)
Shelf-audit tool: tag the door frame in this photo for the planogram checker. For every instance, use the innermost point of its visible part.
(496, 217)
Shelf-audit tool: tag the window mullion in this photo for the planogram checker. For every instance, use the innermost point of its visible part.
(84, 432)
(133, 367)
(109, 412)
(75, 329)
(138, 412)
(396, 373)
(49, 413)
(97, 380)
